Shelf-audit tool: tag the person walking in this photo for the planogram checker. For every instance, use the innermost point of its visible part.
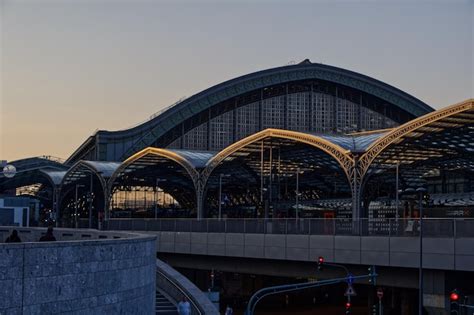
(184, 308)
(49, 236)
(13, 238)
(229, 310)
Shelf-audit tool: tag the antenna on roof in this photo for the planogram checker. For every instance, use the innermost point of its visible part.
(305, 62)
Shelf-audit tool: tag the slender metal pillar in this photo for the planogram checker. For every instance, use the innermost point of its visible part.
(396, 191)
(220, 196)
(297, 191)
(420, 270)
(90, 201)
(199, 205)
(155, 201)
(261, 173)
(270, 187)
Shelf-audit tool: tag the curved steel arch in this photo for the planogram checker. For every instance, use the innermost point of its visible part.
(342, 156)
(173, 156)
(146, 133)
(398, 133)
(91, 167)
(261, 79)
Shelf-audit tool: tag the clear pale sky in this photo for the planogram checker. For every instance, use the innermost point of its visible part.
(71, 67)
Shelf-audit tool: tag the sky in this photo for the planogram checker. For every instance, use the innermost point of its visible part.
(68, 68)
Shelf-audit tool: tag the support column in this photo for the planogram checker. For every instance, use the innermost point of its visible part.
(56, 204)
(199, 205)
(356, 182)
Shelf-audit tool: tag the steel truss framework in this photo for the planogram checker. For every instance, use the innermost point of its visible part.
(147, 134)
(80, 171)
(443, 138)
(144, 161)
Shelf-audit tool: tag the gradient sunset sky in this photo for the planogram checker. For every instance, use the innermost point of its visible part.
(71, 67)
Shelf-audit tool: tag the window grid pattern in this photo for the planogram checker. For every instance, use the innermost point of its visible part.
(247, 120)
(322, 112)
(299, 107)
(346, 116)
(222, 131)
(298, 111)
(196, 139)
(273, 112)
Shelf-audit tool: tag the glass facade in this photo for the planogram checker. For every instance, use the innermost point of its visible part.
(248, 120)
(303, 111)
(196, 139)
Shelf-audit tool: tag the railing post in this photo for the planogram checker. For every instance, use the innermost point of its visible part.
(455, 232)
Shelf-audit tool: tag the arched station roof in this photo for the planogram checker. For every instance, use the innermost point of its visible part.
(444, 138)
(338, 155)
(190, 161)
(34, 170)
(174, 171)
(83, 169)
(147, 133)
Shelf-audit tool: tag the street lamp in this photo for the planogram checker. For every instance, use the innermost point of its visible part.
(298, 172)
(421, 191)
(76, 223)
(156, 188)
(220, 193)
(397, 180)
(9, 171)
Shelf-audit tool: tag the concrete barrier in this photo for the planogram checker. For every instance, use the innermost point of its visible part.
(84, 272)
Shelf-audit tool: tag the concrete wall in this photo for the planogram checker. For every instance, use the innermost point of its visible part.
(438, 253)
(85, 272)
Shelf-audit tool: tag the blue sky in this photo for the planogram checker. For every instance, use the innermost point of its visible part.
(70, 67)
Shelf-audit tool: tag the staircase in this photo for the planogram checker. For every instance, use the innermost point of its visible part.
(164, 306)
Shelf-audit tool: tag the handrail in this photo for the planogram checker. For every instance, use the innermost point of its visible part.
(437, 227)
(180, 290)
(200, 302)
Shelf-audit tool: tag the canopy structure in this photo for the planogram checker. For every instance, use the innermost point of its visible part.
(429, 152)
(265, 172)
(29, 172)
(175, 172)
(277, 172)
(83, 194)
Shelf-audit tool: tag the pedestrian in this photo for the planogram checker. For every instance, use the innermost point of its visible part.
(49, 236)
(229, 310)
(13, 238)
(184, 308)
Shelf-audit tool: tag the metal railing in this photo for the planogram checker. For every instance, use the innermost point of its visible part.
(432, 227)
(177, 286)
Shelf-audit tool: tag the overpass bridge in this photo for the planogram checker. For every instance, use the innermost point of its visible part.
(448, 244)
(290, 248)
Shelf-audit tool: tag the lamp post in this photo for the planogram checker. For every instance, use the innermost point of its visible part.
(90, 200)
(8, 170)
(156, 188)
(421, 191)
(220, 193)
(397, 179)
(76, 223)
(297, 192)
